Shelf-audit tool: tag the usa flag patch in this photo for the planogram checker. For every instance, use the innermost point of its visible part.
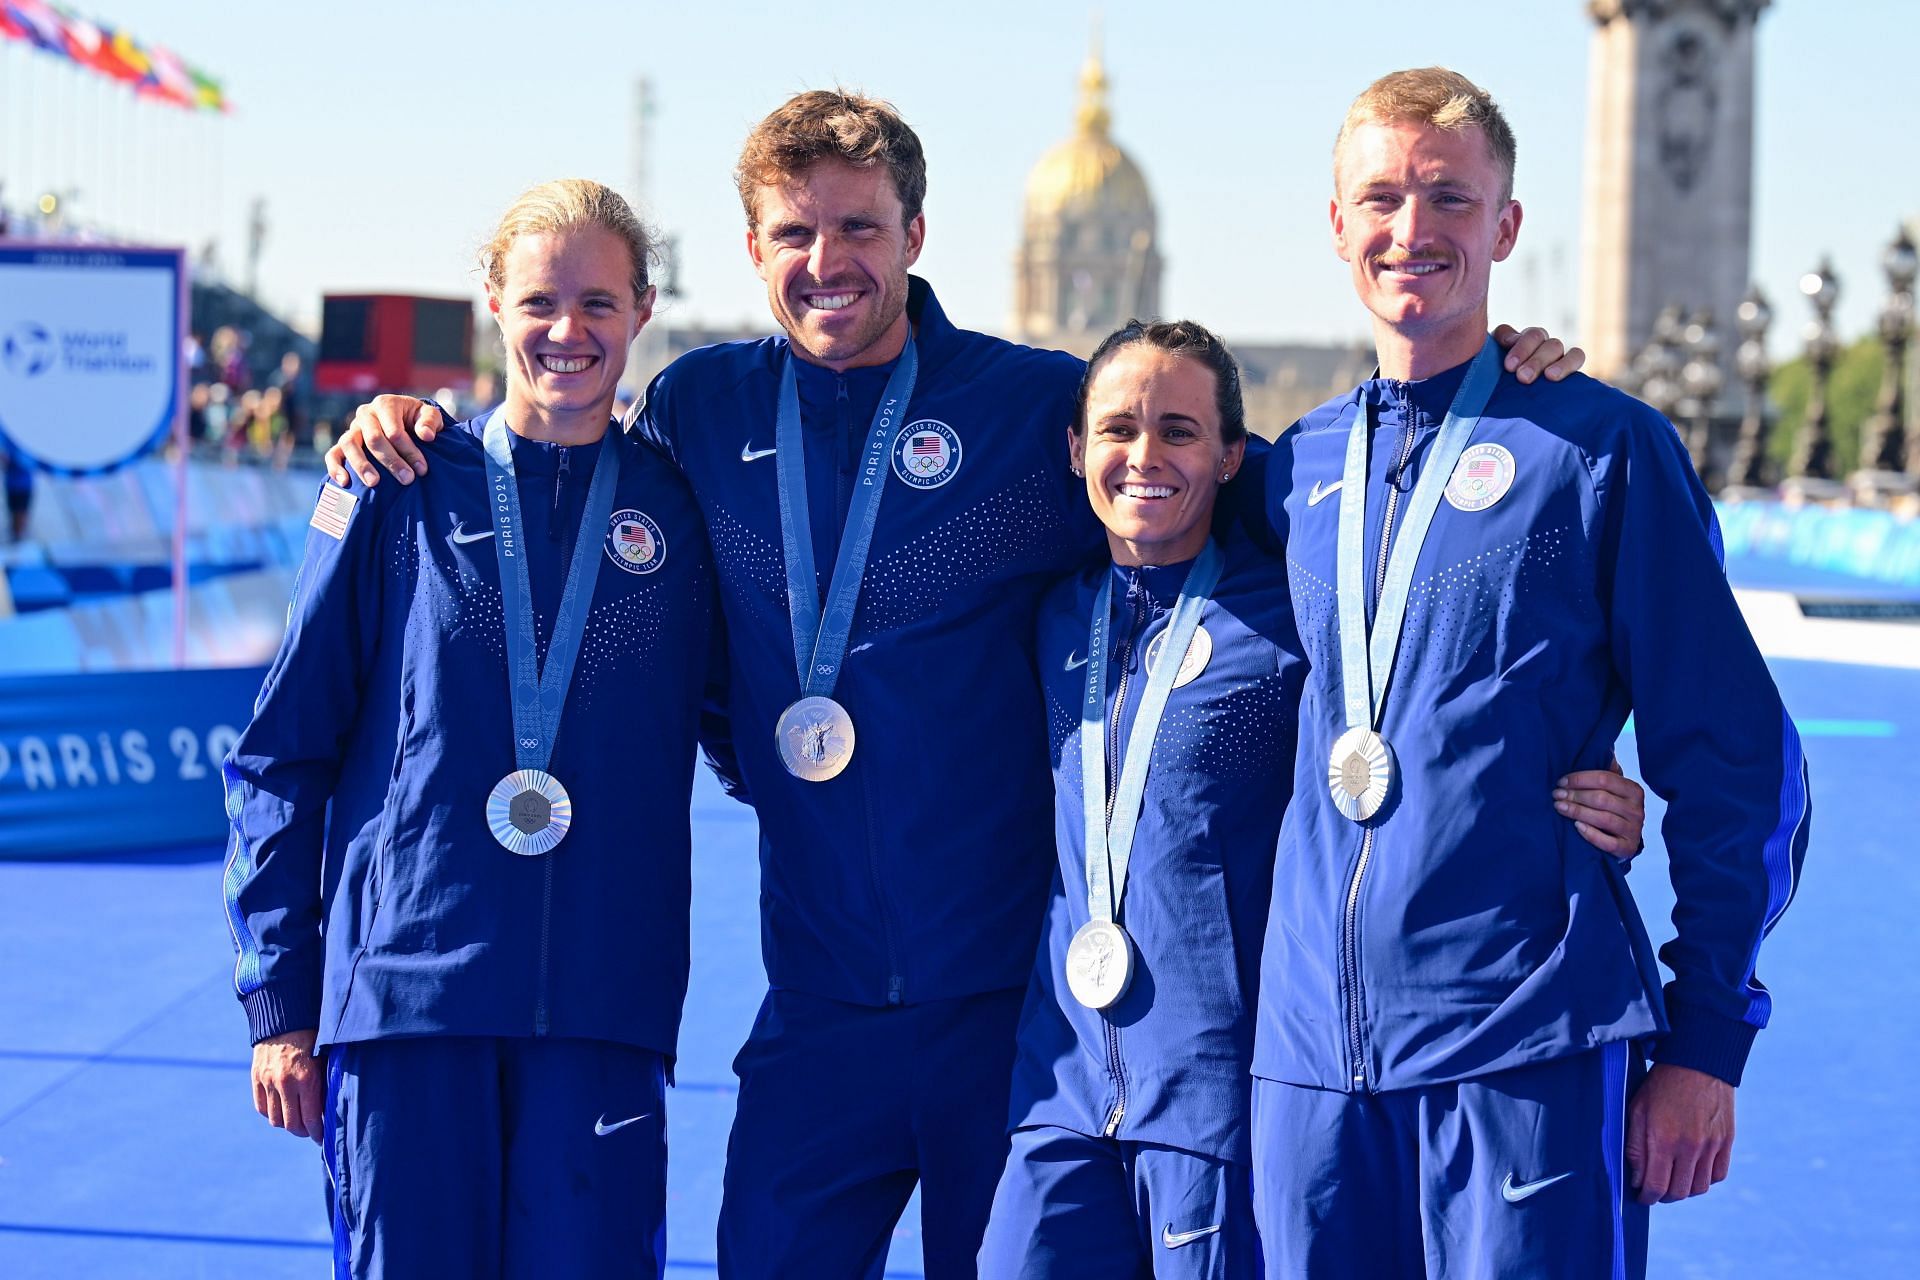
(335, 508)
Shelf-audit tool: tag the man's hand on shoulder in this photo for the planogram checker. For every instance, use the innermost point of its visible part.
(1679, 1133)
(1533, 351)
(289, 1084)
(379, 433)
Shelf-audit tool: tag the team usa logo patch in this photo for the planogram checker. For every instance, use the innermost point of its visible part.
(926, 454)
(634, 541)
(1199, 652)
(1481, 477)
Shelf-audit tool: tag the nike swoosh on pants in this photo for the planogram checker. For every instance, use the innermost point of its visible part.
(602, 1128)
(1174, 1239)
(1514, 1192)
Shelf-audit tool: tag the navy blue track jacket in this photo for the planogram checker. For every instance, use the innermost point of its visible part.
(1474, 929)
(1168, 1063)
(366, 895)
(920, 872)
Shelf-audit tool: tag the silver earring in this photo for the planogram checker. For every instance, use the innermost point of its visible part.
(1078, 474)
(1225, 476)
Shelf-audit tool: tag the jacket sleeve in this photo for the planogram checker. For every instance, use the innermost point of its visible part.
(1253, 504)
(1715, 742)
(281, 773)
(650, 417)
(716, 721)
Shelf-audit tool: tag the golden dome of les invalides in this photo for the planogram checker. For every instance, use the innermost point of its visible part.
(1088, 172)
(1088, 259)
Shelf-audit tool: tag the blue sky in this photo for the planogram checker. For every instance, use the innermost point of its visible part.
(386, 136)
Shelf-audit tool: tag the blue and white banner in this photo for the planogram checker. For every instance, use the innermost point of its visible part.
(119, 762)
(91, 339)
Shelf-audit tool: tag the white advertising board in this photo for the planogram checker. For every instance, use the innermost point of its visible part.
(90, 352)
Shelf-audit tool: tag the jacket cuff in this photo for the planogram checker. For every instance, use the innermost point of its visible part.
(272, 1011)
(1705, 1041)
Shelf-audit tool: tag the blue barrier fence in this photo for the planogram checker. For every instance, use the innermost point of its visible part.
(96, 760)
(1875, 546)
(117, 761)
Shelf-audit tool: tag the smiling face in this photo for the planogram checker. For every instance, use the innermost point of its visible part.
(1420, 216)
(567, 313)
(1153, 454)
(834, 248)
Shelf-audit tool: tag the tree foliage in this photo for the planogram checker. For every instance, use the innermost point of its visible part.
(1851, 397)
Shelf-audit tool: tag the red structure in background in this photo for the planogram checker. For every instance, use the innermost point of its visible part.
(376, 342)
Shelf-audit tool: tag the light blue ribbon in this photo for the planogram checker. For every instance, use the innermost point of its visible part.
(820, 638)
(1366, 661)
(1110, 848)
(539, 690)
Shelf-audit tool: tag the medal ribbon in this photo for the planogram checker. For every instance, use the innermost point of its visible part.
(540, 690)
(1366, 660)
(820, 638)
(1110, 849)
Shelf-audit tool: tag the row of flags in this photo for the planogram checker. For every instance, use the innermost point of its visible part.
(153, 71)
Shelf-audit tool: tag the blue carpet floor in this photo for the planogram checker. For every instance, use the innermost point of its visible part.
(129, 1145)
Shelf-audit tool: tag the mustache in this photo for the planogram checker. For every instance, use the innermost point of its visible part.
(1420, 260)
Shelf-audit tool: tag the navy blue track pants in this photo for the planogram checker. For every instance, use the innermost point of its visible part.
(482, 1157)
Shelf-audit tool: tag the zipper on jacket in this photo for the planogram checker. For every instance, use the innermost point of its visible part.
(845, 464)
(1123, 660)
(1350, 920)
(896, 983)
(546, 933)
(1136, 593)
(1350, 967)
(560, 474)
(1119, 1111)
(847, 461)
(564, 532)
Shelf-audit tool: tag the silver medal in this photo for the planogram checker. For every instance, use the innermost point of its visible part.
(529, 812)
(1360, 773)
(815, 738)
(1099, 964)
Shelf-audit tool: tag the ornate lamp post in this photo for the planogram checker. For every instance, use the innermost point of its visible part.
(1657, 368)
(1813, 448)
(1884, 440)
(1750, 455)
(1700, 382)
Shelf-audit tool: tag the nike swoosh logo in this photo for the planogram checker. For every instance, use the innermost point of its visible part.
(1514, 1192)
(601, 1128)
(1174, 1239)
(462, 537)
(1071, 664)
(1319, 494)
(750, 454)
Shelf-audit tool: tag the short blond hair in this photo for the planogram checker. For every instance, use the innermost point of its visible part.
(1438, 97)
(568, 204)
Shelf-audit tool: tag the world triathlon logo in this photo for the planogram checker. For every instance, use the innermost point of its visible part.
(29, 350)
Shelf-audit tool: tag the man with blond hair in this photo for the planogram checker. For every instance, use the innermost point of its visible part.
(1456, 987)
